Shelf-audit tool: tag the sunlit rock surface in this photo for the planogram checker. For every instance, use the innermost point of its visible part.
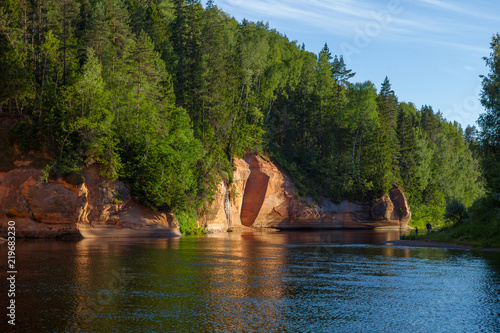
(263, 196)
(55, 209)
(260, 196)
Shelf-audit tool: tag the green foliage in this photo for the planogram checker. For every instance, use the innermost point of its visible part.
(87, 121)
(44, 178)
(161, 162)
(490, 120)
(456, 212)
(423, 214)
(188, 224)
(480, 231)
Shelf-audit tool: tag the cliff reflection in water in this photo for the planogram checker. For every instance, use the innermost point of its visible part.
(255, 281)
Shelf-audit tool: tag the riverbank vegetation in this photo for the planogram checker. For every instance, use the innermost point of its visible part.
(480, 229)
(163, 94)
(480, 225)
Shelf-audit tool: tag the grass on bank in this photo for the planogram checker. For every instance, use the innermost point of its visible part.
(480, 227)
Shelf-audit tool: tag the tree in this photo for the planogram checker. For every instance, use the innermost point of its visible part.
(407, 115)
(430, 121)
(363, 124)
(472, 137)
(86, 130)
(110, 36)
(387, 104)
(62, 19)
(159, 150)
(324, 88)
(490, 121)
(340, 72)
(16, 91)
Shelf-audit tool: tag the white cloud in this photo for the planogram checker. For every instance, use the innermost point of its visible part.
(463, 8)
(480, 50)
(442, 4)
(411, 21)
(341, 17)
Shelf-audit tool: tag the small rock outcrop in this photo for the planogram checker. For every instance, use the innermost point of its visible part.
(263, 196)
(392, 208)
(57, 208)
(401, 204)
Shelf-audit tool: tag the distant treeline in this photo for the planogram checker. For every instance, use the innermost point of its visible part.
(164, 93)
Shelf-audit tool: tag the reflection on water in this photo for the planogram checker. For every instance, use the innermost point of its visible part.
(324, 281)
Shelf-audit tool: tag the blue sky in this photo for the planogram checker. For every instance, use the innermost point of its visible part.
(431, 50)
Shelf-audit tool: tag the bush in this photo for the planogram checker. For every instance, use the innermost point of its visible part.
(188, 223)
(456, 212)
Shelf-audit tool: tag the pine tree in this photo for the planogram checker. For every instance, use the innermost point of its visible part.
(98, 36)
(430, 121)
(389, 146)
(324, 97)
(16, 90)
(62, 17)
(340, 72)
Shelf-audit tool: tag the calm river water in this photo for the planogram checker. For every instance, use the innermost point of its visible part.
(328, 281)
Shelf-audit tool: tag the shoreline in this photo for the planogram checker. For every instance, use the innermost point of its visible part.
(428, 243)
(436, 244)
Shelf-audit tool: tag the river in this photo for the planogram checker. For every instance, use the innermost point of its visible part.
(328, 281)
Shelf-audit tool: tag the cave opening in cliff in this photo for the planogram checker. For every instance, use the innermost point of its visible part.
(253, 198)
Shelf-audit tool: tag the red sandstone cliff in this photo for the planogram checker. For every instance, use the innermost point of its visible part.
(263, 196)
(260, 196)
(96, 207)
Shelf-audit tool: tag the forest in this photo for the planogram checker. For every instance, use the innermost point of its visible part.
(163, 94)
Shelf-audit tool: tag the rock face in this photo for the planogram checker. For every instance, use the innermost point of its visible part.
(392, 208)
(267, 197)
(224, 213)
(262, 196)
(399, 198)
(96, 207)
(214, 219)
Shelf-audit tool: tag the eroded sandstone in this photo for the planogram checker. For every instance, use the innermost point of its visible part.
(263, 196)
(260, 196)
(56, 208)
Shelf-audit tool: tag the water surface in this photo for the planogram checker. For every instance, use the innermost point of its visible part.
(327, 281)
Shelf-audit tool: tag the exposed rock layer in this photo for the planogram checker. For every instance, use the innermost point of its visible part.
(262, 196)
(96, 207)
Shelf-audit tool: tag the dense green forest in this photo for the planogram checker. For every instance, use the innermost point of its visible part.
(479, 225)
(163, 94)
